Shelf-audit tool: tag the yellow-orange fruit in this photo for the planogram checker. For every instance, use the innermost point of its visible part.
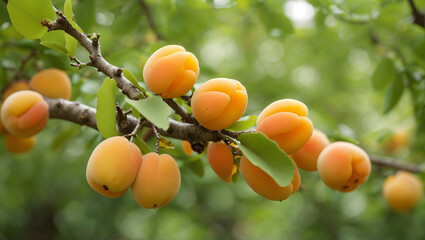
(398, 142)
(402, 191)
(171, 71)
(219, 102)
(265, 185)
(306, 157)
(285, 121)
(24, 113)
(343, 166)
(187, 148)
(157, 182)
(52, 83)
(220, 158)
(15, 87)
(113, 166)
(2, 129)
(18, 144)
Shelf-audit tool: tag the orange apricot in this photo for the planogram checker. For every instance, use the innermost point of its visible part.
(220, 158)
(171, 71)
(343, 166)
(219, 102)
(113, 166)
(157, 182)
(285, 121)
(265, 185)
(187, 148)
(24, 113)
(18, 144)
(306, 157)
(52, 83)
(15, 87)
(398, 142)
(402, 191)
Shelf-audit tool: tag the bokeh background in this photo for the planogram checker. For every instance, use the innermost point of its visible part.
(321, 52)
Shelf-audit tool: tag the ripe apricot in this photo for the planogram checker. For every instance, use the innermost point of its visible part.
(24, 113)
(402, 191)
(113, 166)
(157, 182)
(219, 102)
(306, 157)
(187, 148)
(285, 121)
(220, 158)
(52, 83)
(15, 87)
(171, 71)
(18, 144)
(265, 185)
(343, 166)
(398, 142)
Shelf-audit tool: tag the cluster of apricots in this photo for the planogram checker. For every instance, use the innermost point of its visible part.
(24, 113)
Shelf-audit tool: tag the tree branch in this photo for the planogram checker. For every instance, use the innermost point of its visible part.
(389, 162)
(151, 22)
(418, 17)
(180, 111)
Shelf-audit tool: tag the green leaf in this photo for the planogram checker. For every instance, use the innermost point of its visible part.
(71, 43)
(55, 46)
(133, 80)
(276, 23)
(394, 93)
(243, 123)
(142, 145)
(153, 109)
(26, 16)
(266, 154)
(105, 108)
(383, 74)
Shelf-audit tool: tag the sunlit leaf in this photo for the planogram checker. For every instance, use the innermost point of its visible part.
(105, 109)
(133, 79)
(153, 109)
(71, 43)
(55, 46)
(243, 123)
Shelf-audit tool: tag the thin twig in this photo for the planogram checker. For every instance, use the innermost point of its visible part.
(158, 138)
(136, 129)
(180, 111)
(418, 16)
(388, 162)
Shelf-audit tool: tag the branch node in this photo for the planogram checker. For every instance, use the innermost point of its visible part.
(118, 72)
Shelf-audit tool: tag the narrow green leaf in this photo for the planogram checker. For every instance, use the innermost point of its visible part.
(266, 154)
(394, 93)
(383, 74)
(142, 145)
(26, 16)
(133, 80)
(153, 109)
(105, 108)
(55, 46)
(243, 123)
(71, 43)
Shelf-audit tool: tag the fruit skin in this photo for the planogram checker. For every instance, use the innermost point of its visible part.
(113, 166)
(398, 142)
(2, 129)
(24, 113)
(306, 157)
(285, 121)
(187, 148)
(219, 102)
(265, 185)
(17, 144)
(220, 158)
(157, 182)
(343, 166)
(15, 87)
(52, 83)
(171, 71)
(402, 191)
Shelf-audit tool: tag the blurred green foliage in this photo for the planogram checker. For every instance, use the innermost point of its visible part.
(325, 53)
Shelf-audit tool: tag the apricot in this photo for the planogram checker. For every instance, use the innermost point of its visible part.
(171, 71)
(157, 182)
(398, 142)
(2, 129)
(402, 191)
(219, 102)
(265, 185)
(24, 113)
(306, 157)
(52, 83)
(113, 166)
(15, 87)
(220, 158)
(343, 166)
(187, 148)
(285, 121)
(18, 144)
